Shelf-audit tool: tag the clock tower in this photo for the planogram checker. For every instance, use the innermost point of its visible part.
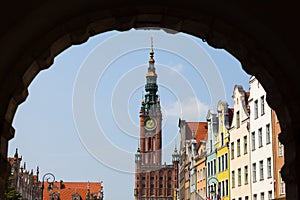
(153, 180)
(150, 118)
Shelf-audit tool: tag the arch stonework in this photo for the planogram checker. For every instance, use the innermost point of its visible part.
(257, 34)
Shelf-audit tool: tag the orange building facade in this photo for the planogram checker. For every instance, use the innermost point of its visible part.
(278, 152)
(153, 180)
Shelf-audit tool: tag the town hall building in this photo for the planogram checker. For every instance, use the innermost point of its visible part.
(153, 180)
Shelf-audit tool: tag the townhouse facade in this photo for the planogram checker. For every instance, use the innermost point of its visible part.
(261, 143)
(240, 166)
(192, 159)
(211, 152)
(242, 156)
(201, 170)
(278, 161)
(222, 160)
(185, 134)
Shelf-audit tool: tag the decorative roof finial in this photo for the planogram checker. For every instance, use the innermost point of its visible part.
(151, 42)
(16, 153)
(151, 60)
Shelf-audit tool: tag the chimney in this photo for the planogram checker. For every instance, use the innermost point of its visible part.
(61, 185)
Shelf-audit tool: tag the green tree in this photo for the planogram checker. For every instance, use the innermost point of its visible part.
(11, 192)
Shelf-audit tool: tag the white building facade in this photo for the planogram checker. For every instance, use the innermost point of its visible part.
(260, 143)
(240, 164)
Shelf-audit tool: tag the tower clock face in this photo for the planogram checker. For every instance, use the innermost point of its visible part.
(150, 124)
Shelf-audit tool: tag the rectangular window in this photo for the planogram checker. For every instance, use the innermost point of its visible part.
(203, 173)
(239, 177)
(214, 166)
(208, 167)
(253, 140)
(262, 105)
(262, 196)
(245, 145)
(254, 172)
(232, 179)
(222, 165)
(219, 164)
(226, 187)
(238, 119)
(261, 170)
(232, 150)
(200, 175)
(222, 139)
(226, 161)
(280, 149)
(260, 137)
(238, 147)
(269, 168)
(211, 169)
(246, 173)
(268, 134)
(255, 109)
(219, 189)
(269, 195)
(282, 184)
(223, 189)
(255, 197)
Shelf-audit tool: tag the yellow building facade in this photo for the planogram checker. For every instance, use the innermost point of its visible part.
(223, 168)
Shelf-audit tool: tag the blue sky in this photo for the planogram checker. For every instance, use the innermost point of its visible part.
(80, 120)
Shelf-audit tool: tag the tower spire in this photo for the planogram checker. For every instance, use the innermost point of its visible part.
(151, 60)
(151, 98)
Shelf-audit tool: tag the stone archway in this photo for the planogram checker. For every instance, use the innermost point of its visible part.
(264, 41)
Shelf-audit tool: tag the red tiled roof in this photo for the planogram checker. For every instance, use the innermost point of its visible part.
(199, 128)
(70, 188)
